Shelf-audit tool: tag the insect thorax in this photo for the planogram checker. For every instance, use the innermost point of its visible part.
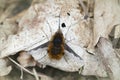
(58, 39)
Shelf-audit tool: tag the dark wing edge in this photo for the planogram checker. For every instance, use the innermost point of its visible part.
(71, 51)
(41, 46)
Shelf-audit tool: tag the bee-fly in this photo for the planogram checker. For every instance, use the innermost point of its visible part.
(56, 46)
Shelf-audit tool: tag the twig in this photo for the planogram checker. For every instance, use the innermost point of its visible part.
(35, 74)
(21, 77)
(28, 71)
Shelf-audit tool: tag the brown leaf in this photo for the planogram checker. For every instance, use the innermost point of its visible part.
(25, 59)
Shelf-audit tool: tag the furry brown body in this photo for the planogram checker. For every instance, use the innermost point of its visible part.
(56, 46)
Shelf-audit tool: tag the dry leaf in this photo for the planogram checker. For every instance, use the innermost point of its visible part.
(109, 59)
(25, 59)
(38, 25)
(4, 68)
(117, 31)
(105, 18)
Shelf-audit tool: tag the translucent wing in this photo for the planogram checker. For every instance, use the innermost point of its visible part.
(42, 46)
(71, 51)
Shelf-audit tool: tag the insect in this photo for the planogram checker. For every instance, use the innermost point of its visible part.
(56, 46)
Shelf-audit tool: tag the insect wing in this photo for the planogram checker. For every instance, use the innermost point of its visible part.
(71, 51)
(42, 46)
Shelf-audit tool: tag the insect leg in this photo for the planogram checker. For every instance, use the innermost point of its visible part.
(65, 59)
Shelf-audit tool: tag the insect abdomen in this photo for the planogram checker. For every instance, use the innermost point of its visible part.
(56, 46)
(55, 52)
